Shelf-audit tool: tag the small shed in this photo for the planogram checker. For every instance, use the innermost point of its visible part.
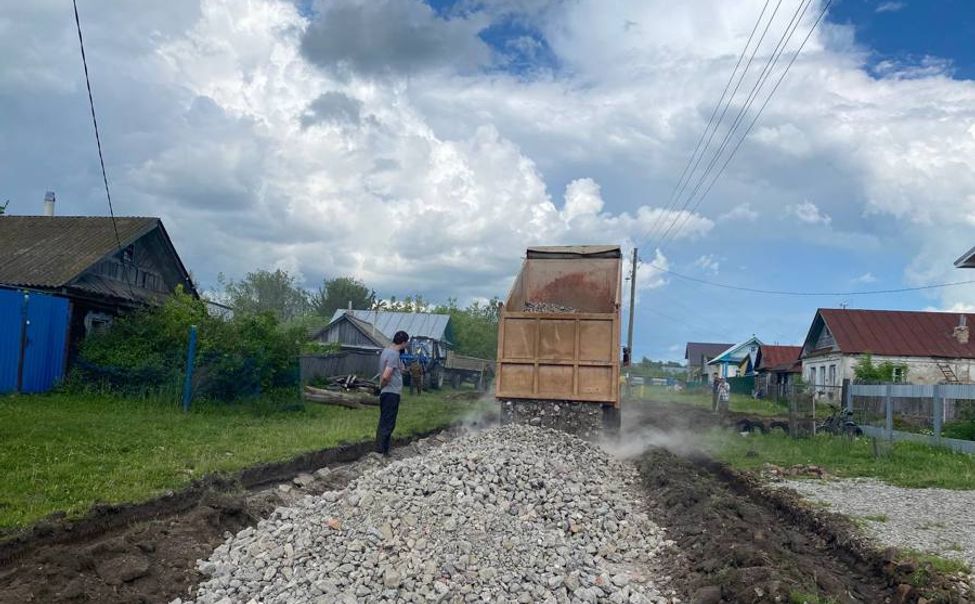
(68, 276)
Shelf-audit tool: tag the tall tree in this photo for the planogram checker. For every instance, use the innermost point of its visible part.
(275, 292)
(339, 293)
(475, 327)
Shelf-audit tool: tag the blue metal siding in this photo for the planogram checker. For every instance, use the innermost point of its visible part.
(46, 345)
(11, 322)
(47, 332)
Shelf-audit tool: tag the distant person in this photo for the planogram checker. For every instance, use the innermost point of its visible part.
(714, 393)
(724, 394)
(416, 377)
(391, 387)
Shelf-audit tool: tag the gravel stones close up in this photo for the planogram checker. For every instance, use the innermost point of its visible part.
(515, 514)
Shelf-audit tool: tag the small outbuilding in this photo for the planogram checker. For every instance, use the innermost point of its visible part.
(64, 277)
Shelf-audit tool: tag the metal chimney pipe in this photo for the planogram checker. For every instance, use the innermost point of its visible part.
(49, 203)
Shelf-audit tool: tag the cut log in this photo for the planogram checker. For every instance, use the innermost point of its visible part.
(352, 400)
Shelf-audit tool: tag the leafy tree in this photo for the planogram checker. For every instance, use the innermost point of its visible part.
(3, 208)
(475, 327)
(146, 350)
(338, 293)
(414, 303)
(867, 371)
(265, 291)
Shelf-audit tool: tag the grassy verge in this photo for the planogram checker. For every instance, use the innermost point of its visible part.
(63, 452)
(906, 464)
(702, 398)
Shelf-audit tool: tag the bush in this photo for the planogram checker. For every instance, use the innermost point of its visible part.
(145, 351)
(866, 371)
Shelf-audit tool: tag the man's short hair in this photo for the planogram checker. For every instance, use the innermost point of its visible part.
(400, 336)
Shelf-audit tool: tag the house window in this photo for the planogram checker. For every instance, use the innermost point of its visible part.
(832, 375)
(822, 375)
(812, 376)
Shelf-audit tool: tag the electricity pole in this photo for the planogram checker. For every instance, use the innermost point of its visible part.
(629, 328)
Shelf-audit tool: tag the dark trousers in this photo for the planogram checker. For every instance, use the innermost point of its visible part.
(388, 409)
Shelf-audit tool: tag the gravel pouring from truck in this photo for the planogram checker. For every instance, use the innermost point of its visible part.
(559, 336)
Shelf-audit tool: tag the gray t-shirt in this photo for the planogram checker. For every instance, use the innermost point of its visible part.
(390, 358)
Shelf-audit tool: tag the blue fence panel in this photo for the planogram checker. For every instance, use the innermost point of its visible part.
(47, 333)
(11, 323)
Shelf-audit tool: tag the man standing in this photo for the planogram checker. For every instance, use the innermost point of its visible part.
(391, 386)
(714, 393)
(724, 395)
(416, 377)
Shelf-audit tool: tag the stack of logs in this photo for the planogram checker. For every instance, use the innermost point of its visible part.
(349, 391)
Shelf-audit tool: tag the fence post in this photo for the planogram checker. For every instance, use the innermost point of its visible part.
(847, 394)
(190, 359)
(793, 428)
(888, 413)
(938, 410)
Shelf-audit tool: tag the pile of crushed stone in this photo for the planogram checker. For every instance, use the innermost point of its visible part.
(515, 513)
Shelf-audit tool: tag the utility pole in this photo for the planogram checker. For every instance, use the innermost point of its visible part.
(629, 328)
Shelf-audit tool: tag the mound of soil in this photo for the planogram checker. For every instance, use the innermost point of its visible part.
(736, 550)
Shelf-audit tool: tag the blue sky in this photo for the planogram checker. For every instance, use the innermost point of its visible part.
(906, 31)
(421, 147)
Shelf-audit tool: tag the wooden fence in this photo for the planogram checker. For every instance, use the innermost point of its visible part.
(364, 363)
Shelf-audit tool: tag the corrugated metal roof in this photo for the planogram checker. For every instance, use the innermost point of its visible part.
(898, 332)
(50, 251)
(367, 329)
(695, 350)
(777, 357)
(417, 324)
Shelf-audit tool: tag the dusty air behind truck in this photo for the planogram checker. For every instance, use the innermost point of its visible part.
(559, 340)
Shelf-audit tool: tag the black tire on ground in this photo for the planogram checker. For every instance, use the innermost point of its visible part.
(853, 431)
(436, 379)
(750, 425)
(779, 424)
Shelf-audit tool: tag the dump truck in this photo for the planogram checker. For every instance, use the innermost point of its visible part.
(559, 340)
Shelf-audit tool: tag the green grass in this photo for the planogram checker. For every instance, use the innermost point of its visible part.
(702, 398)
(801, 597)
(912, 465)
(877, 517)
(930, 562)
(63, 453)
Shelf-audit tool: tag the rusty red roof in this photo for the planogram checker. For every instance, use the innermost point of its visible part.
(898, 332)
(777, 357)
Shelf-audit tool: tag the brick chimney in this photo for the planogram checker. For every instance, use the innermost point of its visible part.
(961, 331)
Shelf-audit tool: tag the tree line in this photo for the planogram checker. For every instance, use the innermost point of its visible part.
(279, 293)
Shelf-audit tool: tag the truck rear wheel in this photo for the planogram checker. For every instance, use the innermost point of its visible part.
(611, 420)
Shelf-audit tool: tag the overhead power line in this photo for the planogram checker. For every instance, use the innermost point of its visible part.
(675, 194)
(94, 121)
(780, 292)
(756, 88)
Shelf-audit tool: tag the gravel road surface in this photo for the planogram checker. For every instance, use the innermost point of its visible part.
(511, 514)
(937, 521)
